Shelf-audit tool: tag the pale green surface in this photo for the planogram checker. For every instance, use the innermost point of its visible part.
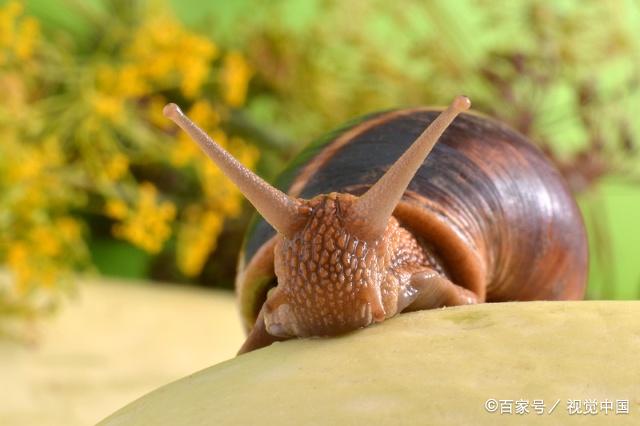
(430, 367)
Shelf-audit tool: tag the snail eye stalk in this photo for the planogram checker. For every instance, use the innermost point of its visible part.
(281, 211)
(374, 208)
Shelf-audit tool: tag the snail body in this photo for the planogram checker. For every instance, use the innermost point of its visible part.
(368, 228)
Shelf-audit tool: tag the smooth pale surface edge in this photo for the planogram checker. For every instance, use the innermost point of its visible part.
(115, 341)
(429, 367)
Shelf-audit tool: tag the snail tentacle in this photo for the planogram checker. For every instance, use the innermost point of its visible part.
(374, 208)
(284, 213)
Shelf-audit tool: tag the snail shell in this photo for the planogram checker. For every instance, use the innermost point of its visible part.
(486, 201)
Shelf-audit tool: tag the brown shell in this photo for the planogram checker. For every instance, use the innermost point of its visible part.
(486, 201)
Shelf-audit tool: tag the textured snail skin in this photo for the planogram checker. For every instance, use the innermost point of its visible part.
(330, 281)
(487, 209)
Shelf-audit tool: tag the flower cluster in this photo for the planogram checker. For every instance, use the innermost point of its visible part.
(18, 34)
(83, 138)
(147, 225)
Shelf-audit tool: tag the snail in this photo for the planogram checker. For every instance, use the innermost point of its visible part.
(378, 219)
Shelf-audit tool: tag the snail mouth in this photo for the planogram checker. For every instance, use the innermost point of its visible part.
(281, 321)
(277, 330)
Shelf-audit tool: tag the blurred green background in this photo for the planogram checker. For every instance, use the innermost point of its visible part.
(93, 178)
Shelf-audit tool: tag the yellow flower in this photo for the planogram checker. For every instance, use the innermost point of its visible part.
(149, 225)
(116, 209)
(106, 77)
(30, 167)
(194, 65)
(69, 229)
(18, 35)
(236, 74)
(154, 113)
(197, 238)
(116, 167)
(203, 113)
(194, 74)
(130, 82)
(199, 46)
(8, 15)
(183, 151)
(158, 67)
(45, 241)
(108, 106)
(27, 37)
(168, 54)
